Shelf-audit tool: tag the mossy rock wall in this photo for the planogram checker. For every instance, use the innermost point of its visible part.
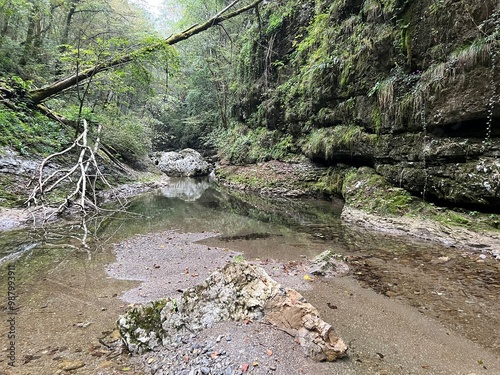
(409, 88)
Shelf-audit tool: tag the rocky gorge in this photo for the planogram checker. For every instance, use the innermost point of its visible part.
(170, 264)
(391, 106)
(406, 88)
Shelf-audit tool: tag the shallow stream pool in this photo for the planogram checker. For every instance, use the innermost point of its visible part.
(65, 302)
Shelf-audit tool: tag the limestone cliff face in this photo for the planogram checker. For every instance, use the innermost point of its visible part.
(409, 88)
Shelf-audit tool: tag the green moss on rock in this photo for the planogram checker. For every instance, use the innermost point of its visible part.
(141, 328)
(363, 188)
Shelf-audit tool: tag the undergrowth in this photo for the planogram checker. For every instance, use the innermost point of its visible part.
(326, 142)
(241, 145)
(31, 132)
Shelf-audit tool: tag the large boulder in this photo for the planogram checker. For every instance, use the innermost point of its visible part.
(185, 163)
(239, 291)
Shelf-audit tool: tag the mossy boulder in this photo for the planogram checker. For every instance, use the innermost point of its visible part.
(141, 327)
(238, 291)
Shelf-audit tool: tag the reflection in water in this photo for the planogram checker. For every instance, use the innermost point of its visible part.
(217, 210)
(187, 189)
(17, 251)
(189, 205)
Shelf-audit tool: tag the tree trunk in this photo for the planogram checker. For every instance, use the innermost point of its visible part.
(65, 34)
(39, 95)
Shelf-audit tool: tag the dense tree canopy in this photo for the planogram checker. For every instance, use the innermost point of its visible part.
(105, 61)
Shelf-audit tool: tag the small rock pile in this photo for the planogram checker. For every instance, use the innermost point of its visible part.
(212, 353)
(240, 293)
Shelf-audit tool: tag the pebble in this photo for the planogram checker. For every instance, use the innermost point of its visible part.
(70, 365)
(188, 356)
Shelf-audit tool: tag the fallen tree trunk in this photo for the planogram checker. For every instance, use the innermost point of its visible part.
(39, 95)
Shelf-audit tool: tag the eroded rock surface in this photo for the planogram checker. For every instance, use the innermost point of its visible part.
(185, 163)
(239, 291)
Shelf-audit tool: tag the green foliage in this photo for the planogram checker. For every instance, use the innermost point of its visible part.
(73, 113)
(241, 145)
(436, 6)
(325, 142)
(455, 218)
(385, 92)
(435, 79)
(186, 115)
(29, 132)
(128, 135)
(365, 189)
(276, 13)
(239, 258)
(332, 50)
(330, 184)
(377, 119)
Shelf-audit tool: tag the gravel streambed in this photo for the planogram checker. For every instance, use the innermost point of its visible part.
(232, 348)
(385, 335)
(169, 262)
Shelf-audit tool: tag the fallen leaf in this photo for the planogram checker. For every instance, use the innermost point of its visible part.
(332, 306)
(308, 278)
(269, 352)
(255, 364)
(244, 367)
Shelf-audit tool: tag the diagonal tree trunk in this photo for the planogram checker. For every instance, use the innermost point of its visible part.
(44, 93)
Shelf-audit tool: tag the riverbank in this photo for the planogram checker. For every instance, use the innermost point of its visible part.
(370, 203)
(19, 218)
(426, 230)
